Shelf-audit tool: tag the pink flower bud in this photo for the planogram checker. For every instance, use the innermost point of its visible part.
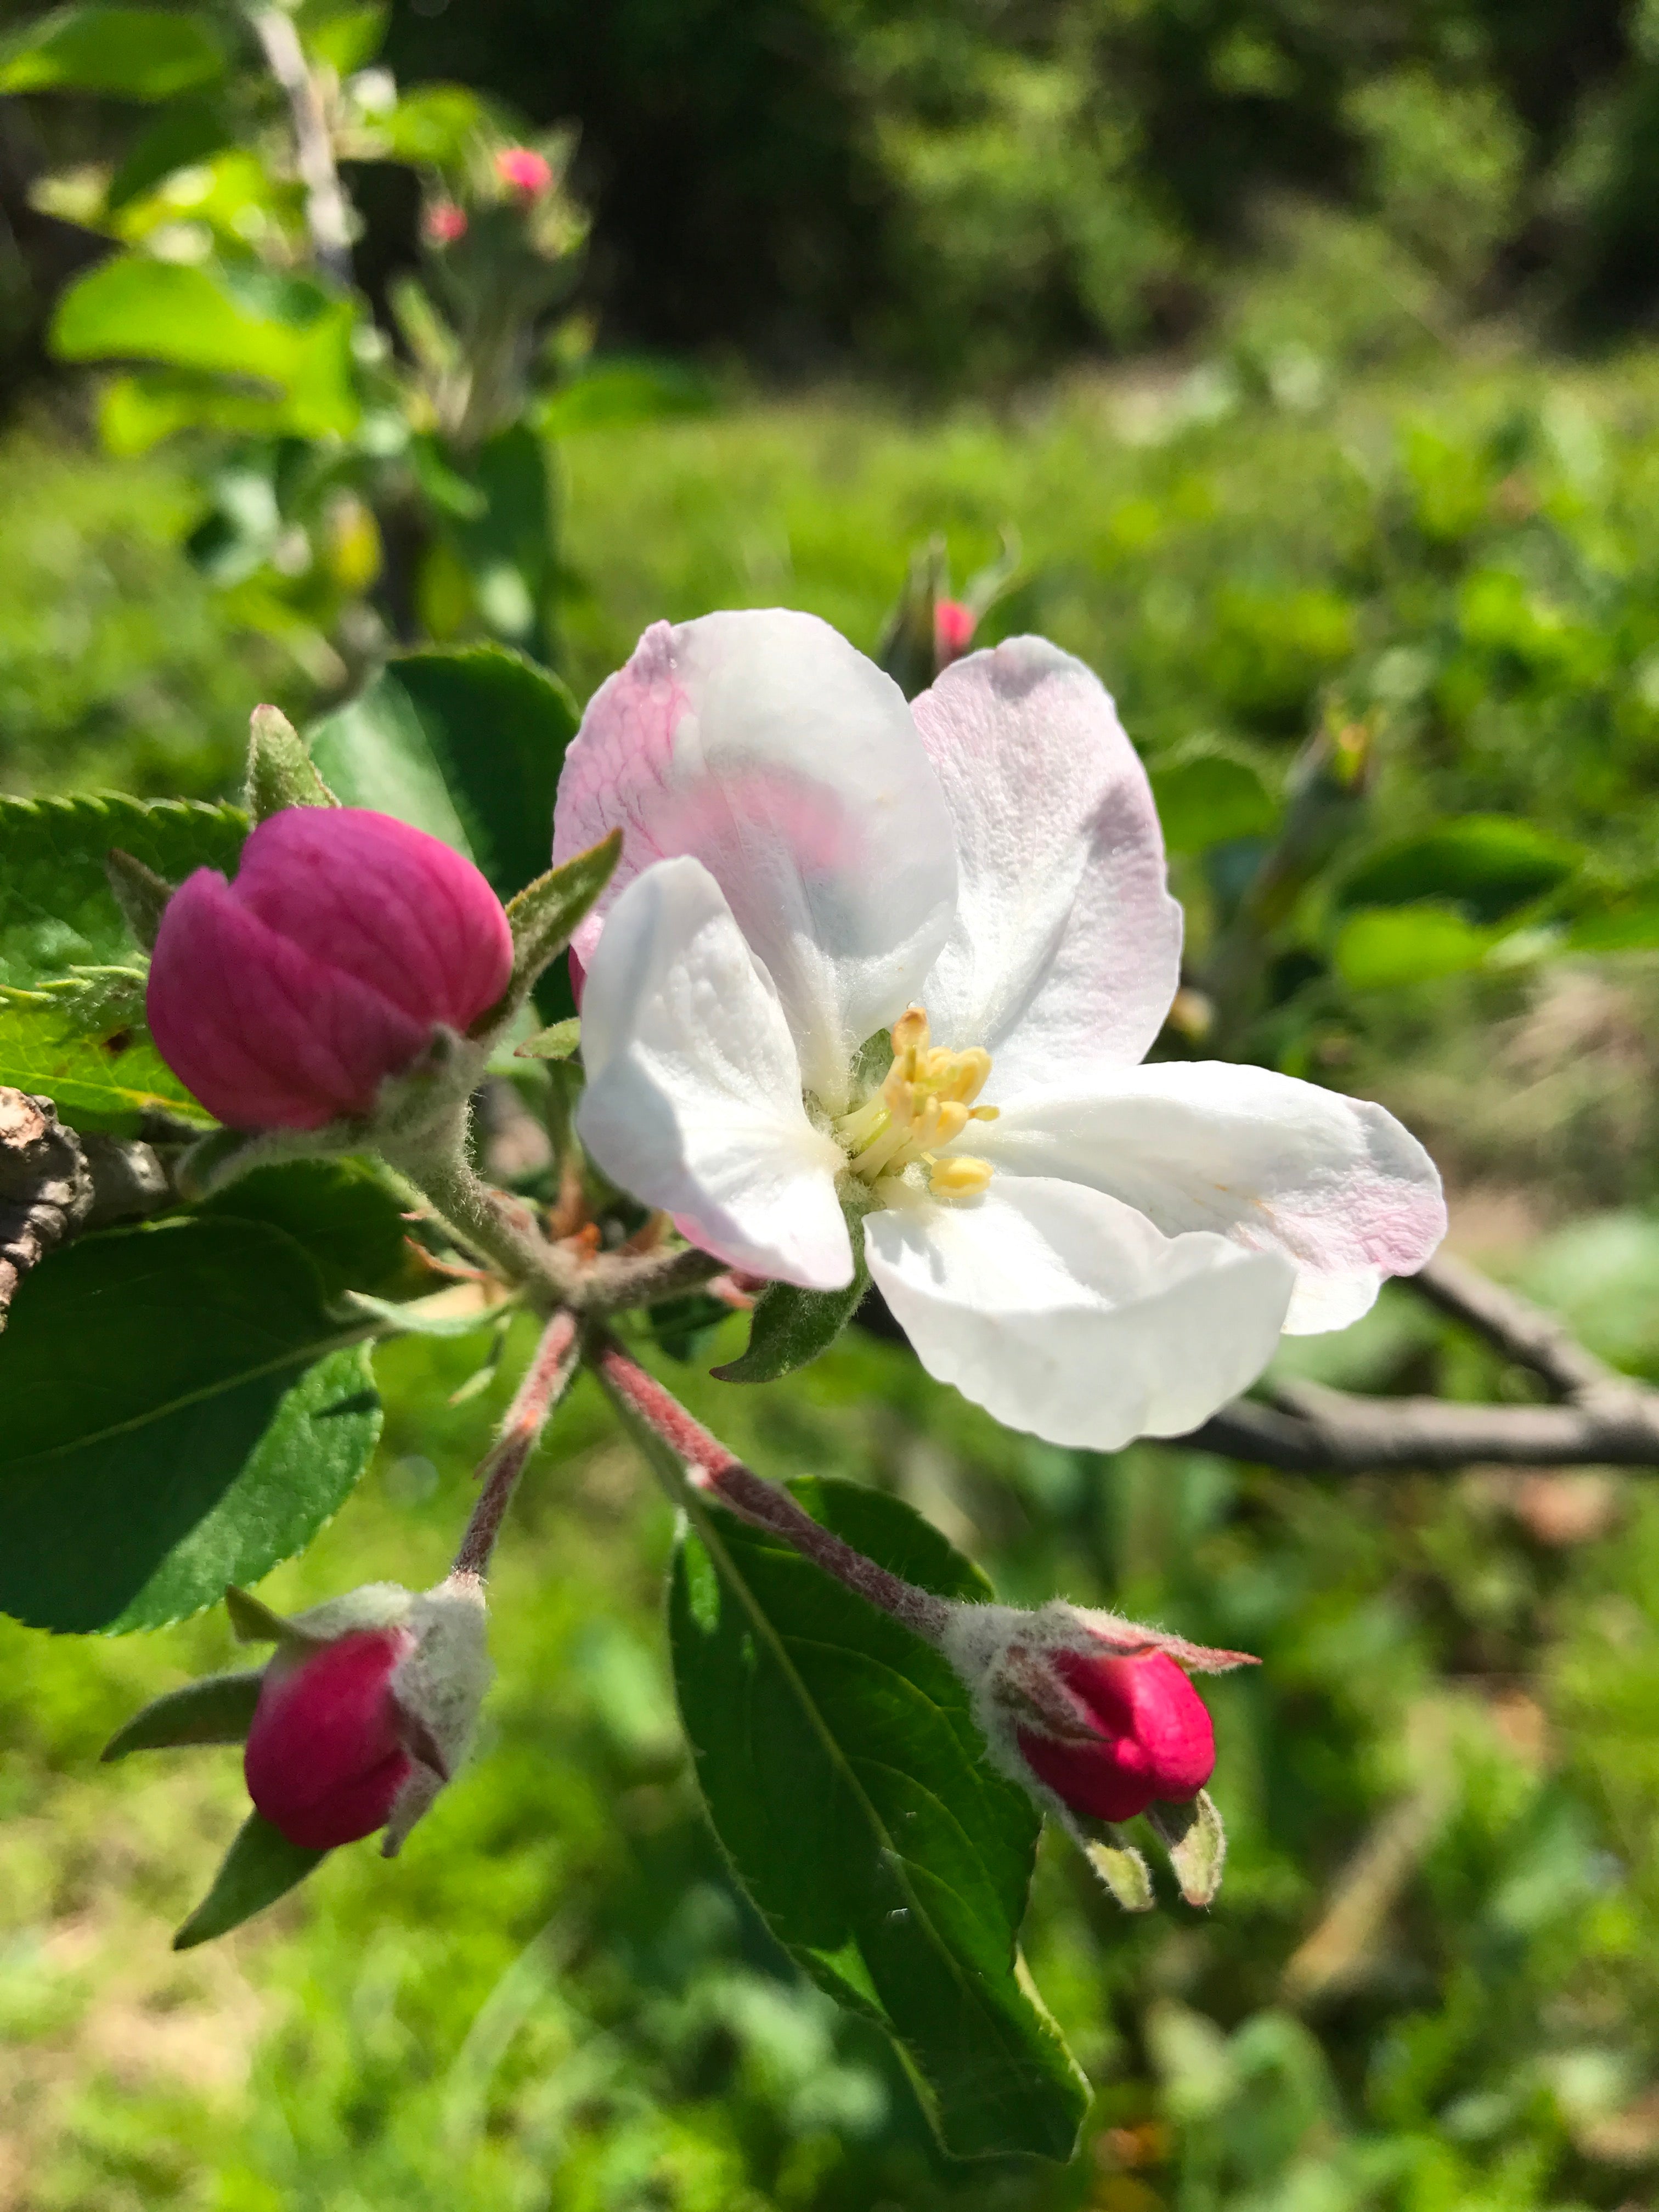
(1142, 1732)
(524, 171)
(286, 997)
(954, 625)
(444, 224)
(327, 1752)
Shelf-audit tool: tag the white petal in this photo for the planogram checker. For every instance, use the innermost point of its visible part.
(765, 746)
(1066, 950)
(1336, 1184)
(1065, 1313)
(693, 1101)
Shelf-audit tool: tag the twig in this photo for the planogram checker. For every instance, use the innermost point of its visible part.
(545, 1381)
(710, 1468)
(1601, 1419)
(326, 214)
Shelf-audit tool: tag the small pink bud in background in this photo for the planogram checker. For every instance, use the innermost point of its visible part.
(444, 224)
(954, 625)
(285, 999)
(326, 1754)
(1143, 1732)
(524, 171)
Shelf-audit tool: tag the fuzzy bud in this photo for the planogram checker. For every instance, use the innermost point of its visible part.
(1095, 1716)
(444, 224)
(523, 170)
(365, 1712)
(285, 999)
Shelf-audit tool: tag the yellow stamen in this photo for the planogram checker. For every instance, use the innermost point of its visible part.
(925, 1102)
(960, 1176)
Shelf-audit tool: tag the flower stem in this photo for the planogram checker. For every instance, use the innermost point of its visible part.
(545, 1381)
(486, 1219)
(710, 1468)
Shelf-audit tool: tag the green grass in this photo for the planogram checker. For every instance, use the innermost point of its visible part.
(1430, 1983)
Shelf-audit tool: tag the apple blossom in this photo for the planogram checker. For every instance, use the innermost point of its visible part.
(900, 970)
(286, 997)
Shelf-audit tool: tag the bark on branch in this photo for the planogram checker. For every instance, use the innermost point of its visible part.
(1600, 1417)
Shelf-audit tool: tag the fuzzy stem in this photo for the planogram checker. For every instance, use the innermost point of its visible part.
(545, 1381)
(713, 1470)
(488, 1221)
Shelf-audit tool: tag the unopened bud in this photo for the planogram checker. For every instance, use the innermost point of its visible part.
(523, 170)
(954, 625)
(444, 224)
(1097, 1717)
(347, 941)
(365, 1712)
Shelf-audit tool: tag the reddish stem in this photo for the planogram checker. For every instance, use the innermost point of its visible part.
(545, 1384)
(714, 1470)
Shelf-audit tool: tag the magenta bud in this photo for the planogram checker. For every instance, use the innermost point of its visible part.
(326, 1754)
(1142, 1734)
(284, 1000)
(444, 224)
(524, 171)
(954, 625)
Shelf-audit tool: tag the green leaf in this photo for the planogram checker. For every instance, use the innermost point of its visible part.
(506, 544)
(346, 38)
(841, 1765)
(1630, 924)
(219, 1709)
(181, 1411)
(260, 1866)
(1207, 797)
(417, 1316)
(466, 744)
(1490, 864)
(288, 335)
(135, 53)
(791, 1326)
(1381, 948)
(56, 909)
(97, 1082)
(344, 1212)
(187, 132)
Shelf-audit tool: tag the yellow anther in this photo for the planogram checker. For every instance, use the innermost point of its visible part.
(925, 1102)
(959, 1176)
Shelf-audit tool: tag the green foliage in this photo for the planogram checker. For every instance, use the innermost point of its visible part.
(465, 743)
(843, 1772)
(183, 1412)
(136, 54)
(218, 1709)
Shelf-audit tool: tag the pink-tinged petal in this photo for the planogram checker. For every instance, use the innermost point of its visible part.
(693, 1100)
(403, 912)
(762, 745)
(326, 1755)
(1065, 1313)
(1335, 1184)
(265, 1035)
(1066, 950)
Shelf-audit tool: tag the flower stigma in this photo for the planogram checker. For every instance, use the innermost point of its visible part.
(925, 1102)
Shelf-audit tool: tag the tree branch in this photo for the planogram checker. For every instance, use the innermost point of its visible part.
(326, 214)
(1600, 1418)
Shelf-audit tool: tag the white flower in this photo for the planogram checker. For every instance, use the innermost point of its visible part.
(1088, 1248)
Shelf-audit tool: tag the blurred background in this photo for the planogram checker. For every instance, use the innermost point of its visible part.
(1292, 364)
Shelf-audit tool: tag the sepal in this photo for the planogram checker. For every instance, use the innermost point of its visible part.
(260, 1866)
(1120, 1866)
(1197, 1843)
(281, 772)
(217, 1709)
(791, 1326)
(542, 917)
